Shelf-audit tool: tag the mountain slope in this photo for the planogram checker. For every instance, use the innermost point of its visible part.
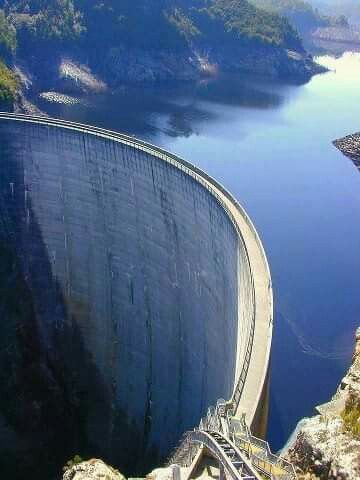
(148, 40)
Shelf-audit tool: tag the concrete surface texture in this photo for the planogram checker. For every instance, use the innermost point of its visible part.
(144, 292)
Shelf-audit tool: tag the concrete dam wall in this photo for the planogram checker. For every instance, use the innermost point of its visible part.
(134, 294)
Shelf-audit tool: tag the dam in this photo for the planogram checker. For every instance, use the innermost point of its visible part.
(135, 293)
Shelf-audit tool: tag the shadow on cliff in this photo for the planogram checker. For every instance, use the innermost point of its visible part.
(54, 403)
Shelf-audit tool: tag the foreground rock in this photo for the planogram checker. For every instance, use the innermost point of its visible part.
(96, 469)
(92, 470)
(327, 446)
(167, 473)
(350, 146)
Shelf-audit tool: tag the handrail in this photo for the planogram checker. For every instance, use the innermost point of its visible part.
(237, 434)
(240, 432)
(212, 444)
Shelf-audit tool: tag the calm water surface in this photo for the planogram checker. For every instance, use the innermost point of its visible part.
(270, 145)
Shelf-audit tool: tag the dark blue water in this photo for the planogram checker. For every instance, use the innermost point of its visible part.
(270, 145)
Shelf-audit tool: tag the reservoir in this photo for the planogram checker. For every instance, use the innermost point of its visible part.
(269, 143)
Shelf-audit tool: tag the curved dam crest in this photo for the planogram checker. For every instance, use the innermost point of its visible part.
(142, 296)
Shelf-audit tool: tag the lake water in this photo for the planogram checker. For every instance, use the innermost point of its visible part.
(270, 145)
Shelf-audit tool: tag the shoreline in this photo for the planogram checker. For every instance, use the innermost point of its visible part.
(327, 445)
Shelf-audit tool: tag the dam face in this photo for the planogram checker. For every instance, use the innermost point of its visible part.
(126, 297)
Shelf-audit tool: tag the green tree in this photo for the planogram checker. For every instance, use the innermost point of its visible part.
(8, 86)
(7, 37)
(59, 21)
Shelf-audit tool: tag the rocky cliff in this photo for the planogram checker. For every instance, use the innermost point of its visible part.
(327, 446)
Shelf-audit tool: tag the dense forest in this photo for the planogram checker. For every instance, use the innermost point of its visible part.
(148, 24)
(7, 50)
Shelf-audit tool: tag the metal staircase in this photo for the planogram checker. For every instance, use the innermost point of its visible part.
(239, 453)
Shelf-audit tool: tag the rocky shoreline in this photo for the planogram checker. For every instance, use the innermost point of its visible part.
(71, 75)
(350, 147)
(327, 446)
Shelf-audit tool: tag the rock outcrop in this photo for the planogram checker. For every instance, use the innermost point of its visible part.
(139, 66)
(123, 65)
(93, 469)
(96, 469)
(77, 78)
(350, 147)
(327, 446)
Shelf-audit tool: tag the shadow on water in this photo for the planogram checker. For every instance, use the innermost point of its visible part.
(177, 110)
(54, 403)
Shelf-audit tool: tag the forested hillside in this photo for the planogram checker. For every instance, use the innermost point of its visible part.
(7, 50)
(148, 24)
(148, 39)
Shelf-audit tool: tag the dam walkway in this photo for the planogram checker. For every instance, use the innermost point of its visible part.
(229, 441)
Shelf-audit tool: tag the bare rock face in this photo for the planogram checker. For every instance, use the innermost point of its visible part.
(92, 470)
(327, 446)
(138, 66)
(77, 78)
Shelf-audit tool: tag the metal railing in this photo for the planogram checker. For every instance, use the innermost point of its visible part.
(219, 420)
(259, 452)
(229, 456)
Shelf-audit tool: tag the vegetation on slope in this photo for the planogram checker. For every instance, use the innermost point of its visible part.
(239, 19)
(8, 85)
(7, 37)
(7, 49)
(151, 24)
(148, 39)
(351, 414)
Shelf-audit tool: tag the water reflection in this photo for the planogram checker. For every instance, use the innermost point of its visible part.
(177, 111)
